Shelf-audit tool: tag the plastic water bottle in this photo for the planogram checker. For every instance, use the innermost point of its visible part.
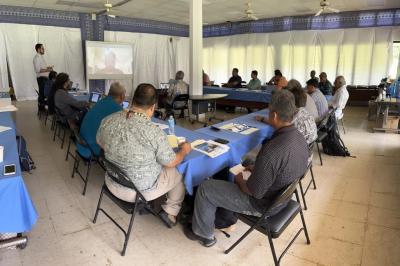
(171, 125)
(77, 86)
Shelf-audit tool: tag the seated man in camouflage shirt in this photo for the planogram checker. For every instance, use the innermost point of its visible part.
(141, 149)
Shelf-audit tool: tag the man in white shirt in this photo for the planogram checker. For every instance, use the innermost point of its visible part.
(340, 97)
(42, 70)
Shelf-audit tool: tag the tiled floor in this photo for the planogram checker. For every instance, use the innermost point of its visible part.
(353, 216)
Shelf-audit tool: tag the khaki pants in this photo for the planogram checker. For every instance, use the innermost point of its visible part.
(169, 182)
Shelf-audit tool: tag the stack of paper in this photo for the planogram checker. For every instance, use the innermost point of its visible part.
(3, 128)
(210, 147)
(239, 128)
(237, 169)
(162, 126)
(8, 108)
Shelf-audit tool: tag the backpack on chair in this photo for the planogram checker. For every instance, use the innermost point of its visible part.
(25, 160)
(333, 143)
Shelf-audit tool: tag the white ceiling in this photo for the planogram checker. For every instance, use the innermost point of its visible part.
(215, 11)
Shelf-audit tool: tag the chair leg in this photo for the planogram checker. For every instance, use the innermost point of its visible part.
(344, 130)
(63, 138)
(271, 245)
(319, 154)
(312, 177)
(98, 206)
(69, 147)
(128, 233)
(87, 177)
(76, 165)
(45, 118)
(304, 222)
(53, 123)
(55, 132)
(303, 195)
(240, 239)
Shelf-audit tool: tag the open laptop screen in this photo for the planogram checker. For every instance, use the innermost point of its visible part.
(94, 97)
(125, 104)
(164, 86)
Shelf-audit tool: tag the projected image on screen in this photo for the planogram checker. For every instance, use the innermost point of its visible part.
(108, 60)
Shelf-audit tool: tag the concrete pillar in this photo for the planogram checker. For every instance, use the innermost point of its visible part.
(196, 47)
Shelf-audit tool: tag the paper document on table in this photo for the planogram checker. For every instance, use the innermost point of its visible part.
(237, 169)
(209, 147)
(239, 128)
(9, 108)
(3, 128)
(162, 126)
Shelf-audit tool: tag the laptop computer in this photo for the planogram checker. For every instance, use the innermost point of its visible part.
(125, 104)
(95, 97)
(164, 86)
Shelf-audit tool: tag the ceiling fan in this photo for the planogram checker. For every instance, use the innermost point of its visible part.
(249, 13)
(325, 5)
(108, 8)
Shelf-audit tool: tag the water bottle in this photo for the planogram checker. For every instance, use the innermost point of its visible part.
(77, 86)
(171, 125)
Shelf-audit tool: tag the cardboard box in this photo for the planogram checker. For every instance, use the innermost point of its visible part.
(393, 122)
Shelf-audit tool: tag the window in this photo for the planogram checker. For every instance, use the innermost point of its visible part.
(394, 69)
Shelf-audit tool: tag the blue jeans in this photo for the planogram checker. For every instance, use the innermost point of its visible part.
(218, 193)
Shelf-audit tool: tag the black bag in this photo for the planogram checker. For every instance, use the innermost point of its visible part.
(25, 160)
(225, 218)
(333, 144)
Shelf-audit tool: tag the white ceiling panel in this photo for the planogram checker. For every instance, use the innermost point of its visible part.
(215, 11)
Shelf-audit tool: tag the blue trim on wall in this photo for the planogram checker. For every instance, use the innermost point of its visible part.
(94, 30)
(145, 26)
(38, 16)
(353, 19)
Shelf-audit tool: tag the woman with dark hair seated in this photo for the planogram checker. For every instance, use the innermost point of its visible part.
(72, 109)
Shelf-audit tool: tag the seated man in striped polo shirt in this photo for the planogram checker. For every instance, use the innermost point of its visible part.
(281, 160)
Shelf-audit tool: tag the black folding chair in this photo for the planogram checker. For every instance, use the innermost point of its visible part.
(180, 102)
(273, 226)
(140, 203)
(60, 124)
(323, 131)
(76, 138)
(312, 180)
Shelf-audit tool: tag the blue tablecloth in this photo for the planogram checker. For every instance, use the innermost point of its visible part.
(241, 144)
(17, 212)
(240, 94)
(197, 166)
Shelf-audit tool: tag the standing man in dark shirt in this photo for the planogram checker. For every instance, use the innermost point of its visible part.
(235, 81)
(281, 160)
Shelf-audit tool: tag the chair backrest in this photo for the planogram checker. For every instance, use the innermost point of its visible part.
(121, 178)
(81, 140)
(181, 98)
(285, 194)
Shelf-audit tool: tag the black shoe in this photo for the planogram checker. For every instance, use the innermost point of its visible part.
(187, 230)
(164, 217)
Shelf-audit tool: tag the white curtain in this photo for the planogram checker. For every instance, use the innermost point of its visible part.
(3, 65)
(63, 49)
(156, 58)
(362, 56)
